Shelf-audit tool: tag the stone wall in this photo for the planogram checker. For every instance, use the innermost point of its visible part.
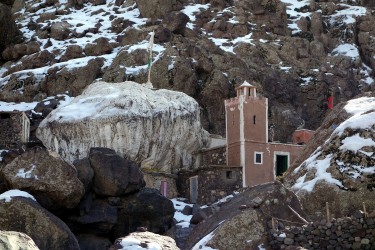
(214, 183)
(154, 180)
(214, 156)
(355, 232)
(11, 130)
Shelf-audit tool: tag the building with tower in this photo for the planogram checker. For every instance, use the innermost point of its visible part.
(248, 156)
(248, 142)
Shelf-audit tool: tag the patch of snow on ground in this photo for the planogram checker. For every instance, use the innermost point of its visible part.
(295, 13)
(360, 119)
(192, 10)
(11, 106)
(183, 220)
(356, 142)
(229, 45)
(321, 174)
(8, 195)
(348, 14)
(130, 243)
(346, 49)
(202, 244)
(360, 105)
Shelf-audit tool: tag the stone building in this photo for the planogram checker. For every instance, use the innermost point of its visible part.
(248, 142)
(15, 129)
(247, 157)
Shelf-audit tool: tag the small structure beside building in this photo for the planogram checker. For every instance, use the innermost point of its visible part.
(15, 129)
(213, 180)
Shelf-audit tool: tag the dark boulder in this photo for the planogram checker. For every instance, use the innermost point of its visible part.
(114, 175)
(147, 208)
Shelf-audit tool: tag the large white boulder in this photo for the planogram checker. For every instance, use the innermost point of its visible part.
(160, 129)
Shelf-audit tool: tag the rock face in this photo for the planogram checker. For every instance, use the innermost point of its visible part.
(8, 25)
(27, 216)
(244, 221)
(10, 240)
(146, 240)
(341, 171)
(157, 128)
(52, 181)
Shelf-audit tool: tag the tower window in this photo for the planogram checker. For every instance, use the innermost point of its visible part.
(254, 118)
(258, 157)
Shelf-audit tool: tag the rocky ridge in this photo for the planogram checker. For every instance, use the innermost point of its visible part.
(293, 51)
(341, 170)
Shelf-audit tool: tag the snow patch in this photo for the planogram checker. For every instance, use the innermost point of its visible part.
(8, 195)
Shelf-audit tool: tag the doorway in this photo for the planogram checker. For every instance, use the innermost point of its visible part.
(193, 189)
(281, 164)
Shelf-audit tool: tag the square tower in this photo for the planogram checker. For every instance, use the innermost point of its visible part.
(246, 123)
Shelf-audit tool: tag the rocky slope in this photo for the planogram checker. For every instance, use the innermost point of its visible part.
(158, 128)
(341, 170)
(294, 51)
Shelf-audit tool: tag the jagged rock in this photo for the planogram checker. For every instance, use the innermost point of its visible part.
(99, 47)
(72, 81)
(247, 228)
(27, 216)
(60, 30)
(124, 58)
(157, 128)
(114, 175)
(53, 182)
(72, 52)
(10, 240)
(155, 9)
(145, 240)
(176, 22)
(147, 208)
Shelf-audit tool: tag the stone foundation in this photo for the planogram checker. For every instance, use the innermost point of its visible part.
(355, 232)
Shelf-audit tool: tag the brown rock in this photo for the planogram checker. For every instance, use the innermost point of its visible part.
(176, 22)
(155, 9)
(60, 30)
(53, 182)
(72, 52)
(99, 47)
(32, 47)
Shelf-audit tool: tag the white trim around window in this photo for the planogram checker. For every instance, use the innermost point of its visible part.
(257, 154)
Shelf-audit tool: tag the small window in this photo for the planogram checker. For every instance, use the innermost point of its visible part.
(258, 157)
(229, 174)
(254, 118)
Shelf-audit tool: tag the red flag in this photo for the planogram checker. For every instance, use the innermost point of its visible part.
(330, 102)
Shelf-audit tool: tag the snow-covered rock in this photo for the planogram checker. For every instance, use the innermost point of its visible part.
(158, 128)
(342, 170)
(11, 240)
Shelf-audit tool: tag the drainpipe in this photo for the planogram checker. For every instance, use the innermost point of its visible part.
(242, 140)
